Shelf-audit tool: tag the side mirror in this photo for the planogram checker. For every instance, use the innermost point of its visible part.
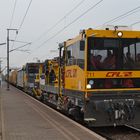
(82, 45)
(69, 54)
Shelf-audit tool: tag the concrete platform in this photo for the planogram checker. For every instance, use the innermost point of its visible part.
(24, 118)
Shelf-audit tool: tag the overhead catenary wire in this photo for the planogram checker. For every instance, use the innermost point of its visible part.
(25, 51)
(69, 24)
(118, 18)
(25, 15)
(13, 13)
(126, 16)
(59, 21)
(19, 41)
(20, 47)
(21, 24)
(137, 22)
(122, 16)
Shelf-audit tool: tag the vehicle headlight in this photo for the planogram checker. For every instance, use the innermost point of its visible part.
(88, 86)
(119, 34)
(91, 82)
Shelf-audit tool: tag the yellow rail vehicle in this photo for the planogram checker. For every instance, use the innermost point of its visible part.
(49, 80)
(13, 77)
(96, 77)
(101, 76)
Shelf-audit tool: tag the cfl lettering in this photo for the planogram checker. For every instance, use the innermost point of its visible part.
(71, 73)
(119, 74)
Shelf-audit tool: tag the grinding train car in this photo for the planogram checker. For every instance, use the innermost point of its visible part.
(95, 78)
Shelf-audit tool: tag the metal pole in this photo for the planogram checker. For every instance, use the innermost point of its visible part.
(0, 66)
(8, 55)
(7, 59)
(59, 76)
(0, 75)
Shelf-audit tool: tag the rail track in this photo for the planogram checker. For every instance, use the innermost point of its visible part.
(118, 133)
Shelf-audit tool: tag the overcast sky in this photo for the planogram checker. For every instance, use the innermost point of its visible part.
(43, 14)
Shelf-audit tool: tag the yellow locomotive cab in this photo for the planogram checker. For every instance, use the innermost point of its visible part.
(102, 75)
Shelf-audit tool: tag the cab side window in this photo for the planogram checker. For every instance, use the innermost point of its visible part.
(75, 54)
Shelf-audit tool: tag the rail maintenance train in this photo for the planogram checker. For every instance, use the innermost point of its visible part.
(95, 78)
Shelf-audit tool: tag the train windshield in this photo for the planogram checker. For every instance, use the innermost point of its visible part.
(113, 54)
(33, 69)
